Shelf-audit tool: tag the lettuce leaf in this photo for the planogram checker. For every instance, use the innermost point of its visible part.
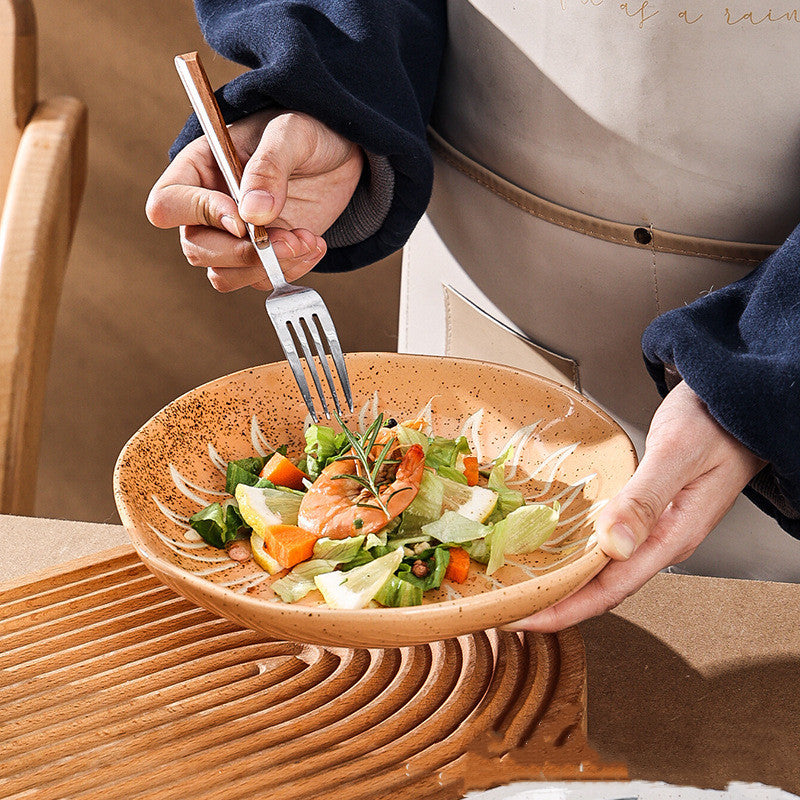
(339, 550)
(508, 500)
(218, 523)
(479, 549)
(436, 560)
(427, 505)
(365, 556)
(524, 530)
(396, 593)
(442, 455)
(244, 470)
(300, 581)
(408, 436)
(323, 445)
(452, 528)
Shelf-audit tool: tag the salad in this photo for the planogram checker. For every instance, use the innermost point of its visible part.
(376, 518)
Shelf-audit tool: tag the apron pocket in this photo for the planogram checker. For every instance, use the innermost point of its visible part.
(472, 333)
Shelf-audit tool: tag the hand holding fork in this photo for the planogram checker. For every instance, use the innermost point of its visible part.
(310, 170)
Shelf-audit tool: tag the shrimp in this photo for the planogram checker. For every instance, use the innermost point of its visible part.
(341, 507)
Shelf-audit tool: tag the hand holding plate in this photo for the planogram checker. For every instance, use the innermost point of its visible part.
(691, 473)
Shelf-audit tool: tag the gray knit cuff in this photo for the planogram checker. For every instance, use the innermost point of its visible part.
(767, 485)
(368, 207)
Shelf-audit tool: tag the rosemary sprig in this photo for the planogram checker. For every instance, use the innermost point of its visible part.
(362, 447)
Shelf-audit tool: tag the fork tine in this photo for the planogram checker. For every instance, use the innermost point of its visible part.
(326, 323)
(300, 335)
(289, 350)
(323, 358)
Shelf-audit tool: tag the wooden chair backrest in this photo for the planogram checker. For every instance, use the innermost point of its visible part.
(17, 79)
(42, 174)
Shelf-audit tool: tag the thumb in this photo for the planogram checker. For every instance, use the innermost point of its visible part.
(265, 178)
(630, 516)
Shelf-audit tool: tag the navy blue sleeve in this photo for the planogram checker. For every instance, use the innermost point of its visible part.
(738, 348)
(366, 68)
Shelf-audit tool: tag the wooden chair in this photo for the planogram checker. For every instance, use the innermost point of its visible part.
(42, 174)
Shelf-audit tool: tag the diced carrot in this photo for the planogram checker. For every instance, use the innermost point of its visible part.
(282, 472)
(471, 470)
(458, 565)
(288, 544)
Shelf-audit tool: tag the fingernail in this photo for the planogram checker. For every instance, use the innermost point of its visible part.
(512, 627)
(231, 225)
(622, 539)
(256, 202)
(536, 621)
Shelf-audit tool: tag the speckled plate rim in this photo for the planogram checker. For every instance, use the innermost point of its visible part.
(586, 566)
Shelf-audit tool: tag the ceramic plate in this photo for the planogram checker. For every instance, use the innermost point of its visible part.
(564, 448)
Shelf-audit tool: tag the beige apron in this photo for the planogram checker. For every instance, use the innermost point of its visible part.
(598, 163)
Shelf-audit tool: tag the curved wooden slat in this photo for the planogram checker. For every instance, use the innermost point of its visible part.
(233, 713)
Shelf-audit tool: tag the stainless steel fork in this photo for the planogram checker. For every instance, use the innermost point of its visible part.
(292, 309)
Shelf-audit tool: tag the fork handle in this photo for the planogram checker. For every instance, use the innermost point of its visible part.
(195, 82)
